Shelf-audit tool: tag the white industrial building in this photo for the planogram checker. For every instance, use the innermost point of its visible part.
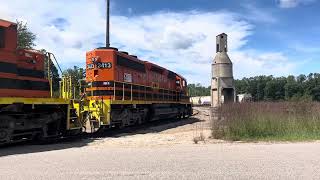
(201, 100)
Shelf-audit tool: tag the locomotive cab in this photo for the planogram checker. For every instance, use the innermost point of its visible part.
(99, 65)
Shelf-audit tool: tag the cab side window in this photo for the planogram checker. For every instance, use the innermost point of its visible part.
(2, 37)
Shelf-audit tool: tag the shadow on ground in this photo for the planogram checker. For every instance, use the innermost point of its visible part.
(77, 142)
(150, 127)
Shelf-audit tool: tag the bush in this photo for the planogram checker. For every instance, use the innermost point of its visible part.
(268, 121)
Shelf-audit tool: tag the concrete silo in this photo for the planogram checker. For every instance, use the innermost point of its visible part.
(222, 82)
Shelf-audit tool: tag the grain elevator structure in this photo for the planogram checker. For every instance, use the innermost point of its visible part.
(222, 82)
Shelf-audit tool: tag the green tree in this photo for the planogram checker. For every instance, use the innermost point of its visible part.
(270, 88)
(242, 85)
(274, 89)
(198, 90)
(301, 78)
(292, 88)
(316, 93)
(76, 75)
(26, 39)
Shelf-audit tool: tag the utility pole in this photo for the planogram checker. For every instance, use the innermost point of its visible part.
(108, 23)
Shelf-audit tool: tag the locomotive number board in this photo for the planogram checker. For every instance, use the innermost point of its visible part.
(100, 65)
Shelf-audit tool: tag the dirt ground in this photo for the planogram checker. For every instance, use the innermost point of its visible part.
(168, 133)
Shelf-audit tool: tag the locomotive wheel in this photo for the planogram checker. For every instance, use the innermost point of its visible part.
(40, 139)
(4, 135)
(6, 127)
(139, 121)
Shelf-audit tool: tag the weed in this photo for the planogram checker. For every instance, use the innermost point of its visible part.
(290, 121)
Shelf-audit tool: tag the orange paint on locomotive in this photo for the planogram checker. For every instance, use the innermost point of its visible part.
(106, 67)
(21, 70)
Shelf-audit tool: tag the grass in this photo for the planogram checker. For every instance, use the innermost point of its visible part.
(268, 121)
(199, 138)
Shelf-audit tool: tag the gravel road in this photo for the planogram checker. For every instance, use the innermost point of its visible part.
(171, 155)
(209, 161)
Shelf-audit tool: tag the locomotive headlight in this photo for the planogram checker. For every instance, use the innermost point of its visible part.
(106, 83)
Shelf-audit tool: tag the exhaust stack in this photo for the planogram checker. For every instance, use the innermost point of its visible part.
(107, 23)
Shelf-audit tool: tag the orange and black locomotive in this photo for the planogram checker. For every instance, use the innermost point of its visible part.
(27, 109)
(124, 90)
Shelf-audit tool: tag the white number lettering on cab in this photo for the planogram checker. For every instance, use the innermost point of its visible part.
(90, 66)
(103, 65)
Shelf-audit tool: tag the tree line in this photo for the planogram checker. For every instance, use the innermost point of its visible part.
(198, 90)
(269, 88)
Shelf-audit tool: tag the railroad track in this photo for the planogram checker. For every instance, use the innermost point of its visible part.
(113, 132)
(195, 113)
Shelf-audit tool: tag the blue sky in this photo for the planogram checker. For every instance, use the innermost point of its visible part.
(274, 37)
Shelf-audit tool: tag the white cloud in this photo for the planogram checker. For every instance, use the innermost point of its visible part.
(252, 63)
(293, 3)
(183, 42)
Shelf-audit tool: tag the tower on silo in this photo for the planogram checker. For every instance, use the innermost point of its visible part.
(222, 82)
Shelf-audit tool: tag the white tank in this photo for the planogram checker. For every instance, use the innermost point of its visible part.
(221, 67)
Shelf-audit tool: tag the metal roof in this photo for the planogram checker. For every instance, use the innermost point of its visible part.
(5, 23)
(222, 58)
